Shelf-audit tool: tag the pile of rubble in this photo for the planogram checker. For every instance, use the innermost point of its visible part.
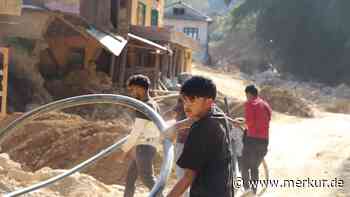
(333, 99)
(338, 106)
(75, 83)
(13, 177)
(284, 101)
(61, 141)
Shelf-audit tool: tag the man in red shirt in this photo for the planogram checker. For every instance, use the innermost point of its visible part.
(258, 116)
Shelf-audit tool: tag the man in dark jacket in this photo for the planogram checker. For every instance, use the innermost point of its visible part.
(206, 156)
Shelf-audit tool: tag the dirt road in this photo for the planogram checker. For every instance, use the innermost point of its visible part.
(317, 148)
(300, 149)
(313, 149)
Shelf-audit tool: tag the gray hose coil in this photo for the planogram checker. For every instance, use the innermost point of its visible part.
(95, 99)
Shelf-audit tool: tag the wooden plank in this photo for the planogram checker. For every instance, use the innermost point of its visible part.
(141, 47)
(139, 69)
(5, 52)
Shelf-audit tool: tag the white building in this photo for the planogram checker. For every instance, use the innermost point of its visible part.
(183, 18)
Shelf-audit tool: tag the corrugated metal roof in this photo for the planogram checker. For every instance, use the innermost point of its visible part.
(148, 42)
(113, 43)
(190, 12)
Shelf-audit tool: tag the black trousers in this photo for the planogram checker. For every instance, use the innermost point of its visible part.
(252, 156)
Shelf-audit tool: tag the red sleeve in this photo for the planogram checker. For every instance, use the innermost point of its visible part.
(269, 110)
(249, 117)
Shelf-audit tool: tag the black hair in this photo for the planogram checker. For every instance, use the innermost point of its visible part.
(139, 80)
(198, 86)
(252, 89)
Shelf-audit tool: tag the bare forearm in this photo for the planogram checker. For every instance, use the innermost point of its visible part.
(180, 187)
(184, 124)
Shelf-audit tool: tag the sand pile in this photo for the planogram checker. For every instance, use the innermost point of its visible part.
(13, 177)
(284, 101)
(61, 141)
(338, 106)
(79, 82)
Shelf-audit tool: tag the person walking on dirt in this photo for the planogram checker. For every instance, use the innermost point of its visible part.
(206, 157)
(256, 140)
(143, 140)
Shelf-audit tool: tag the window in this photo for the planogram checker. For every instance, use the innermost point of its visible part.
(192, 32)
(155, 17)
(141, 14)
(179, 11)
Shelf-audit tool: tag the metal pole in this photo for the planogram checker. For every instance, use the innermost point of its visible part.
(94, 99)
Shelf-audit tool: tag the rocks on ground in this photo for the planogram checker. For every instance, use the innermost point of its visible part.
(284, 101)
(330, 98)
(61, 141)
(13, 177)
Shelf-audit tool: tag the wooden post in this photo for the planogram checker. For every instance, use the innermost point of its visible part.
(181, 64)
(5, 53)
(177, 63)
(170, 63)
(163, 65)
(91, 49)
(112, 67)
(174, 65)
(122, 65)
(156, 70)
(189, 62)
(115, 10)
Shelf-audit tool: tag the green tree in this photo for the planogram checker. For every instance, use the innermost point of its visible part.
(310, 38)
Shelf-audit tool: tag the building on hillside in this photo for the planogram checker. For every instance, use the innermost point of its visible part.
(115, 35)
(148, 53)
(147, 21)
(195, 24)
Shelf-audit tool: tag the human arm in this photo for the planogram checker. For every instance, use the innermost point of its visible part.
(170, 114)
(249, 117)
(184, 183)
(171, 131)
(134, 134)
